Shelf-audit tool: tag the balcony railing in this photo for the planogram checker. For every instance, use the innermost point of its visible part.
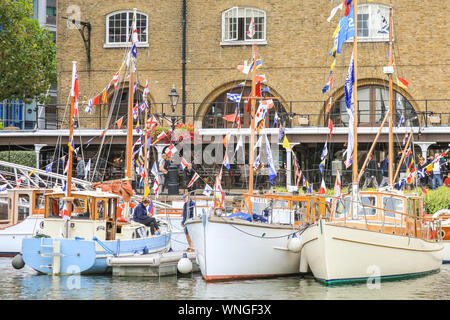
(291, 115)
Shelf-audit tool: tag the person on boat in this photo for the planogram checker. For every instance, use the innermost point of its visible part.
(140, 214)
(80, 168)
(370, 173)
(188, 213)
(385, 171)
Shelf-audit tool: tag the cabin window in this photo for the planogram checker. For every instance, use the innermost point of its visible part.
(342, 208)
(23, 207)
(81, 208)
(236, 22)
(39, 201)
(118, 29)
(101, 209)
(394, 204)
(368, 201)
(4, 212)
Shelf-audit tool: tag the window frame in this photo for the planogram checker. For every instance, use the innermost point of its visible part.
(234, 40)
(371, 10)
(140, 44)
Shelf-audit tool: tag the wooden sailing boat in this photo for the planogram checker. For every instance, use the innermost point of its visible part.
(80, 237)
(231, 247)
(372, 234)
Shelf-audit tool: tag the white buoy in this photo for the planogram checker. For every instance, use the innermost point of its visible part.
(294, 244)
(185, 264)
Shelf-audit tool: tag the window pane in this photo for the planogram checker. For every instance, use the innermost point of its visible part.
(363, 25)
(394, 204)
(371, 201)
(364, 105)
(381, 104)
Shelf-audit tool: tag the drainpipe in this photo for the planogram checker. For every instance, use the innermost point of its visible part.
(183, 63)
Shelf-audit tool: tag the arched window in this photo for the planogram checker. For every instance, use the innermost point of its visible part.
(118, 28)
(373, 103)
(236, 22)
(223, 107)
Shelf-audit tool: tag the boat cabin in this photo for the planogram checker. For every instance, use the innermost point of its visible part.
(19, 203)
(388, 212)
(92, 214)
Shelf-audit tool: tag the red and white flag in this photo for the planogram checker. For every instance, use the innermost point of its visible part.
(171, 150)
(116, 79)
(183, 164)
(323, 188)
(151, 123)
(330, 126)
(251, 29)
(337, 186)
(145, 93)
(156, 186)
(194, 178)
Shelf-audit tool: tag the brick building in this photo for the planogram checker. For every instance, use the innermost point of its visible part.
(196, 46)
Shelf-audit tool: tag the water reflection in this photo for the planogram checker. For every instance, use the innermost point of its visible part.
(27, 284)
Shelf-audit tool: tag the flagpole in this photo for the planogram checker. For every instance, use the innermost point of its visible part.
(129, 147)
(145, 150)
(355, 107)
(130, 109)
(391, 111)
(72, 103)
(252, 132)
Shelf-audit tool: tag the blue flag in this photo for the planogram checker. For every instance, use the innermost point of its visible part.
(346, 29)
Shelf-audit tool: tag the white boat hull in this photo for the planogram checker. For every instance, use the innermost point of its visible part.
(11, 237)
(237, 249)
(341, 254)
(446, 251)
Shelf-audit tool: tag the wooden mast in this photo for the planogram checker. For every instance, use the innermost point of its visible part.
(355, 187)
(252, 133)
(391, 111)
(72, 103)
(130, 109)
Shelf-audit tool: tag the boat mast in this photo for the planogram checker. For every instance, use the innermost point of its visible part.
(252, 132)
(72, 103)
(145, 151)
(130, 108)
(391, 111)
(355, 117)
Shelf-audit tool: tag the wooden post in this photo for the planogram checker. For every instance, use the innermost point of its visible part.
(403, 155)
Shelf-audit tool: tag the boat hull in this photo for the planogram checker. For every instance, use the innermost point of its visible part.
(68, 256)
(446, 251)
(12, 236)
(339, 254)
(236, 249)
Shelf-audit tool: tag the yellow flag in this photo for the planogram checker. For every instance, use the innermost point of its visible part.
(31, 172)
(286, 144)
(147, 191)
(104, 96)
(332, 65)
(336, 31)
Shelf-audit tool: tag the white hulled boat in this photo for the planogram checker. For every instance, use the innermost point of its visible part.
(379, 234)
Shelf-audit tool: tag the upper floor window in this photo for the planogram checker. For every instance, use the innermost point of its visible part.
(118, 28)
(236, 22)
(373, 22)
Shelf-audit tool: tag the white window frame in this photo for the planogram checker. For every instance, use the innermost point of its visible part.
(374, 23)
(234, 12)
(128, 36)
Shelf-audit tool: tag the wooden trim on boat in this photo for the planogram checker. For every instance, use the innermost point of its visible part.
(387, 246)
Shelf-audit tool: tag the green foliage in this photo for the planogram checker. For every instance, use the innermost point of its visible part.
(25, 158)
(27, 53)
(280, 189)
(437, 199)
